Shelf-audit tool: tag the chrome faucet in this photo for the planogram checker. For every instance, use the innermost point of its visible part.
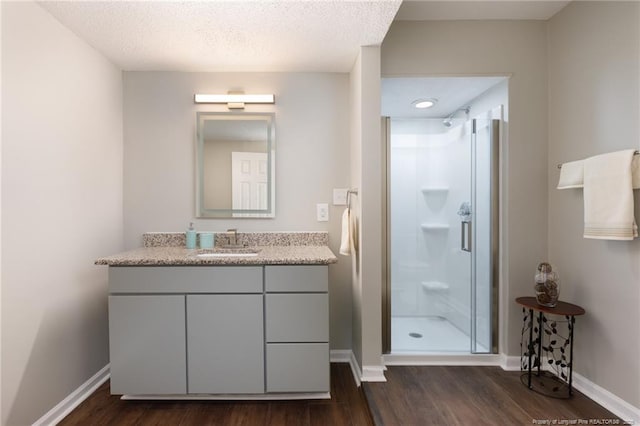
(233, 238)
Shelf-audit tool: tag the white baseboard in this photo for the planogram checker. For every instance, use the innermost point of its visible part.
(611, 402)
(346, 355)
(369, 373)
(67, 405)
(510, 363)
(373, 373)
(608, 400)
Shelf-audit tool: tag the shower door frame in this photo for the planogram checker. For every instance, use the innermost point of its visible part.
(385, 125)
(496, 129)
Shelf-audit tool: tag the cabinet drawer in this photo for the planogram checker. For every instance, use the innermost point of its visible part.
(297, 317)
(298, 367)
(185, 279)
(288, 278)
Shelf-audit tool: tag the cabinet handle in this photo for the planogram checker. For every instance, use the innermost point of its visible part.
(465, 235)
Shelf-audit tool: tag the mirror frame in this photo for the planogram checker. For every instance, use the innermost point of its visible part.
(201, 211)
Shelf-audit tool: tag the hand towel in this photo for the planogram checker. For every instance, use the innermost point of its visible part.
(571, 175)
(345, 241)
(608, 197)
(353, 232)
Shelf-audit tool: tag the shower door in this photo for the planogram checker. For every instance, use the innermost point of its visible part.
(484, 258)
(442, 226)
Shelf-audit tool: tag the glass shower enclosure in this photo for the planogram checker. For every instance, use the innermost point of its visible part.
(442, 236)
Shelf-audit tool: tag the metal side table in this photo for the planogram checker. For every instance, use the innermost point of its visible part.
(549, 342)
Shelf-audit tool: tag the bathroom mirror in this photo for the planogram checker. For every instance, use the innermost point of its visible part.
(235, 165)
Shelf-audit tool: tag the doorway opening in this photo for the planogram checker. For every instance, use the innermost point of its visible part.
(441, 214)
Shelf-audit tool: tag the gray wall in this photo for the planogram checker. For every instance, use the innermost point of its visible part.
(312, 158)
(61, 209)
(517, 49)
(366, 166)
(594, 71)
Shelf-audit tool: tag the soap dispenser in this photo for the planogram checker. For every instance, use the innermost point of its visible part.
(191, 237)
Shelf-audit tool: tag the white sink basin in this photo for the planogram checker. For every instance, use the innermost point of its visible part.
(227, 252)
(209, 255)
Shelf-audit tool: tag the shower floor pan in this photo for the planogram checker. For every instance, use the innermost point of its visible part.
(427, 335)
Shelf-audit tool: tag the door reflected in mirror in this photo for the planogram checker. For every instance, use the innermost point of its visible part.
(235, 163)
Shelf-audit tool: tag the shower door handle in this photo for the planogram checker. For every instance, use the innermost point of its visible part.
(465, 235)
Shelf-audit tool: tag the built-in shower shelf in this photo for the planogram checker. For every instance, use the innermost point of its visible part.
(435, 189)
(434, 285)
(434, 226)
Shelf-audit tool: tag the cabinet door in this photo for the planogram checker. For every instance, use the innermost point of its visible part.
(225, 343)
(147, 344)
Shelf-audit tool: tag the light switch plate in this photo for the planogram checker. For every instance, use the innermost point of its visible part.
(340, 196)
(322, 212)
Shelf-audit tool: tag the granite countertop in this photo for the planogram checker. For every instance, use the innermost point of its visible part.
(267, 255)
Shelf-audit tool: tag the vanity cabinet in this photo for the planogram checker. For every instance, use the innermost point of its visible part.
(177, 330)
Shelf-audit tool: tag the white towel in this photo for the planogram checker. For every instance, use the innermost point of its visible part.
(635, 172)
(572, 174)
(608, 197)
(353, 232)
(345, 241)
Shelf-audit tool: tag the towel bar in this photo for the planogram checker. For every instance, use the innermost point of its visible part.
(635, 153)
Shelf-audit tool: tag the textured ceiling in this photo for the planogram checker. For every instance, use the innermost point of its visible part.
(259, 35)
(228, 35)
(429, 10)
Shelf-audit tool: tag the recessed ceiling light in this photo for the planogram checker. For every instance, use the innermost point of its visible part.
(424, 103)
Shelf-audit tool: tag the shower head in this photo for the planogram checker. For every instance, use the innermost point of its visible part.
(448, 122)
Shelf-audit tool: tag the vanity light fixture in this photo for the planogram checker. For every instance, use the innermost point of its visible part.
(234, 100)
(424, 103)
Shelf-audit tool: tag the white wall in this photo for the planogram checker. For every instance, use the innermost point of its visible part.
(61, 209)
(594, 108)
(312, 158)
(355, 148)
(1, 411)
(518, 49)
(410, 151)
(425, 154)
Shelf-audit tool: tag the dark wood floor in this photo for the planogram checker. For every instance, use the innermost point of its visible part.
(411, 396)
(437, 395)
(347, 406)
